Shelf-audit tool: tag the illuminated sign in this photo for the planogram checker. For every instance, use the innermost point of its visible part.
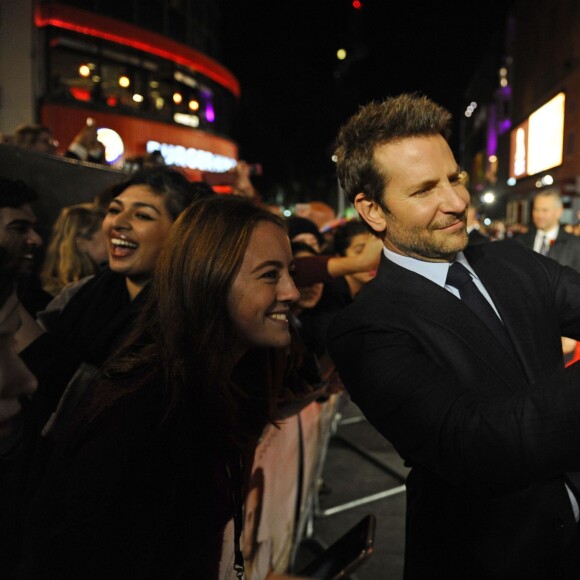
(192, 158)
(537, 144)
(184, 119)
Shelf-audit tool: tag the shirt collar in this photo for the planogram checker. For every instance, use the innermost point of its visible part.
(551, 234)
(434, 271)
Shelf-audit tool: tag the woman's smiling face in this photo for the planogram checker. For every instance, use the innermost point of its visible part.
(263, 290)
(136, 228)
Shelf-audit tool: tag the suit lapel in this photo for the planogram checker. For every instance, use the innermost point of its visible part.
(512, 309)
(438, 306)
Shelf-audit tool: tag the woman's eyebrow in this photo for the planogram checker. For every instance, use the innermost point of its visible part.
(267, 264)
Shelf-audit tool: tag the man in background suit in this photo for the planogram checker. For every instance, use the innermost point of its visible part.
(481, 409)
(547, 237)
(476, 236)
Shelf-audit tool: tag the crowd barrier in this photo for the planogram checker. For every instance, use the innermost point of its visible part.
(283, 487)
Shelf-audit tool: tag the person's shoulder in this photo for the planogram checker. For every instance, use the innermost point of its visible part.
(501, 248)
(364, 308)
(569, 238)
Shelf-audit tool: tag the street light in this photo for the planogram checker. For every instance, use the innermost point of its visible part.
(488, 197)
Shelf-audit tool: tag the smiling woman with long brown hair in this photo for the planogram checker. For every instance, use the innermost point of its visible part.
(157, 454)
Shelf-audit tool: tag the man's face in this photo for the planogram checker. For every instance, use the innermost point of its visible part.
(357, 245)
(425, 198)
(18, 234)
(44, 144)
(547, 212)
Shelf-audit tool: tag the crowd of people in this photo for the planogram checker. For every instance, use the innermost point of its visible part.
(162, 337)
(168, 326)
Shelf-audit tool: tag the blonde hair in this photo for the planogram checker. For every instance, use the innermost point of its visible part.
(64, 262)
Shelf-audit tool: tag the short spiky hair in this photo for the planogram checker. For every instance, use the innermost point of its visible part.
(378, 123)
(14, 193)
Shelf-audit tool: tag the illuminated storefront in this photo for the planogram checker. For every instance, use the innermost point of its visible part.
(136, 82)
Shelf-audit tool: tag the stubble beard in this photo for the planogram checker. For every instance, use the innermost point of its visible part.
(429, 244)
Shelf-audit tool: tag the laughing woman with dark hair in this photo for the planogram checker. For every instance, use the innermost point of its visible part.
(90, 318)
(157, 454)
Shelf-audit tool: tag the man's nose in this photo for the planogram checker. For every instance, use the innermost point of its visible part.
(34, 239)
(455, 199)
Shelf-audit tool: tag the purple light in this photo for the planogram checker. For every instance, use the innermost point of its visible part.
(209, 113)
(505, 125)
(209, 110)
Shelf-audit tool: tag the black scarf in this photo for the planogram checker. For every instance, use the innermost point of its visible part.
(88, 330)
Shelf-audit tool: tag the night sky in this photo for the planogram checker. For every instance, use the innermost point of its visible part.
(296, 94)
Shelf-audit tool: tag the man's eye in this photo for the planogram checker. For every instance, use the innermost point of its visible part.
(421, 192)
(19, 229)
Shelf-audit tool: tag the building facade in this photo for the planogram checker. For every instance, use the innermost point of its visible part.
(524, 138)
(144, 72)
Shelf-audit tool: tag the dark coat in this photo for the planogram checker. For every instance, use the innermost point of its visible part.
(476, 237)
(120, 498)
(489, 438)
(565, 249)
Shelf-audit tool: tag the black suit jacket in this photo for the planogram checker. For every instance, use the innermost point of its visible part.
(488, 437)
(565, 250)
(476, 237)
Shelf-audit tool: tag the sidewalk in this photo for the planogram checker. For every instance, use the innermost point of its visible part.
(361, 465)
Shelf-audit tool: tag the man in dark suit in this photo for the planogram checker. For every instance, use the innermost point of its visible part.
(547, 237)
(481, 408)
(550, 239)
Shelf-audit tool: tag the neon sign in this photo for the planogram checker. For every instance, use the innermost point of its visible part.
(192, 158)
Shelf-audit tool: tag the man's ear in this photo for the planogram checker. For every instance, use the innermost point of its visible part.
(371, 212)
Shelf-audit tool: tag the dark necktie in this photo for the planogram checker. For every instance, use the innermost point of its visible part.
(544, 248)
(459, 277)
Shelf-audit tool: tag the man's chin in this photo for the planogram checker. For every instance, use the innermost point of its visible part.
(27, 266)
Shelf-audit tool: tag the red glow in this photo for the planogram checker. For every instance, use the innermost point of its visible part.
(222, 188)
(80, 94)
(98, 26)
(112, 101)
(357, 4)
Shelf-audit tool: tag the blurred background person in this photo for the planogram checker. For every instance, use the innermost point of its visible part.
(77, 247)
(16, 380)
(34, 137)
(349, 240)
(317, 211)
(547, 236)
(474, 228)
(301, 229)
(18, 232)
(86, 146)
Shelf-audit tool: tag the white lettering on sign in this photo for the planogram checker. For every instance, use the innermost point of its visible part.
(192, 158)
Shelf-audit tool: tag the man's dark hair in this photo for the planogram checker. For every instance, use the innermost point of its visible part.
(14, 193)
(379, 123)
(27, 135)
(344, 234)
